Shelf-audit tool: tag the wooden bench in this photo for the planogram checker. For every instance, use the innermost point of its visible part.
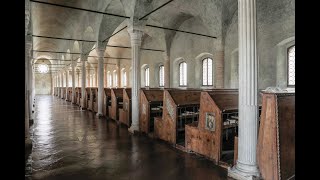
(180, 107)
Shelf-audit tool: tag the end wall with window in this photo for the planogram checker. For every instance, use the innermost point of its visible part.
(187, 47)
(275, 23)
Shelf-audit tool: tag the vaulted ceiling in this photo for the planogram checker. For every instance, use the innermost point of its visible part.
(53, 21)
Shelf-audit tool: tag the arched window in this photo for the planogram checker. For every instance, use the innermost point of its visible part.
(115, 79)
(109, 79)
(161, 76)
(146, 73)
(124, 79)
(183, 74)
(207, 72)
(291, 66)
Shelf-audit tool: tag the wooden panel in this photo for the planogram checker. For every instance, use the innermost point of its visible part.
(225, 101)
(116, 97)
(69, 95)
(144, 113)
(147, 97)
(94, 95)
(205, 142)
(77, 94)
(153, 95)
(266, 147)
(107, 97)
(126, 107)
(184, 97)
(122, 116)
(277, 120)
(89, 97)
(201, 142)
(235, 150)
(63, 93)
(286, 120)
(165, 129)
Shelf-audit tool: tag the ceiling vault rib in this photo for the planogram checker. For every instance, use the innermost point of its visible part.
(115, 33)
(78, 53)
(159, 27)
(155, 9)
(81, 9)
(60, 38)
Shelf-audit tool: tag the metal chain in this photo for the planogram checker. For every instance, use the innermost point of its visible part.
(278, 139)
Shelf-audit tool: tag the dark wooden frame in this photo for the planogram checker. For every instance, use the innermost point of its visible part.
(148, 97)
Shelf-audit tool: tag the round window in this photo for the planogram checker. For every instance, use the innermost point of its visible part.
(43, 68)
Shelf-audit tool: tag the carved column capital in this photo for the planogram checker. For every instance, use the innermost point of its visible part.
(135, 36)
(100, 52)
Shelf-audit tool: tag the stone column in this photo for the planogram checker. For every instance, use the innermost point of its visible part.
(73, 97)
(105, 75)
(62, 83)
(166, 65)
(78, 79)
(95, 76)
(67, 82)
(135, 36)
(100, 52)
(88, 75)
(58, 80)
(83, 83)
(53, 83)
(27, 99)
(246, 167)
(61, 79)
(118, 74)
(31, 87)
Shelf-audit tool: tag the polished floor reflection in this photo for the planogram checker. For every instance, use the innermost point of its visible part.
(72, 144)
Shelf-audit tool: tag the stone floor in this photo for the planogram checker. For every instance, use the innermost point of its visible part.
(69, 143)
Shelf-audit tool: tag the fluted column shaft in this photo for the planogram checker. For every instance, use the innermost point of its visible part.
(83, 85)
(88, 76)
(73, 78)
(95, 76)
(118, 74)
(105, 75)
(100, 53)
(246, 166)
(78, 79)
(135, 36)
(67, 82)
(27, 87)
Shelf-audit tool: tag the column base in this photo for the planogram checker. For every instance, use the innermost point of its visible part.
(235, 173)
(99, 115)
(133, 129)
